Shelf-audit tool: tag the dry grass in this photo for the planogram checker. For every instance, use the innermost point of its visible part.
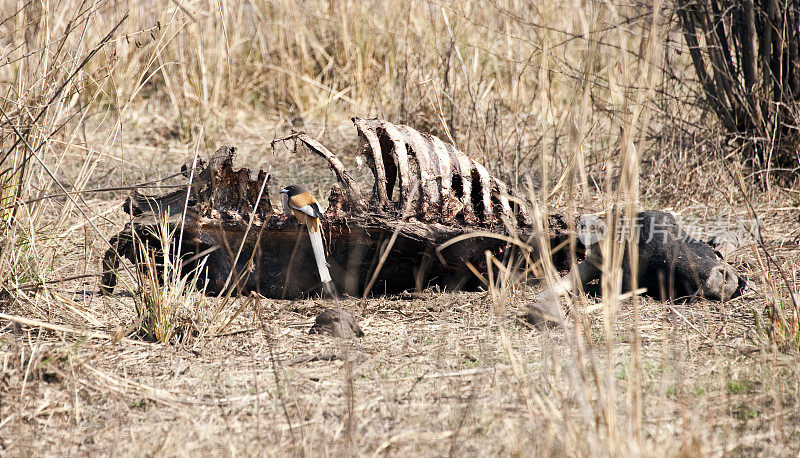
(169, 306)
(575, 102)
(434, 374)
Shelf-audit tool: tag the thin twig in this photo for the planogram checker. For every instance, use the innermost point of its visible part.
(70, 330)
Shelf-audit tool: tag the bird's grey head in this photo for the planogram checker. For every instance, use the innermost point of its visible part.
(293, 190)
(591, 229)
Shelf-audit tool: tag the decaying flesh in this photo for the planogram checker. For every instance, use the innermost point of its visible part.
(425, 193)
(671, 265)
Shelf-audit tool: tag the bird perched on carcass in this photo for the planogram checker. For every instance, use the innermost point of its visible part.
(299, 202)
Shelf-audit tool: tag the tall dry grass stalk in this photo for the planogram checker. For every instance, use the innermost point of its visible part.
(612, 416)
(170, 303)
(551, 96)
(495, 78)
(80, 78)
(46, 61)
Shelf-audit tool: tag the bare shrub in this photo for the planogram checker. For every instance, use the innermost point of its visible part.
(745, 54)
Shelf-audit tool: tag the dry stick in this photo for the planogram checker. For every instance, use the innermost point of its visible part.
(12, 16)
(292, 259)
(49, 137)
(80, 111)
(69, 330)
(350, 186)
(189, 188)
(79, 45)
(650, 52)
(149, 184)
(199, 255)
(477, 274)
(20, 169)
(61, 39)
(124, 386)
(357, 200)
(256, 249)
(39, 284)
(687, 321)
(349, 395)
(353, 194)
(388, 249)
(31, 359)
(454, 438)
(245, 303)
(576, 340)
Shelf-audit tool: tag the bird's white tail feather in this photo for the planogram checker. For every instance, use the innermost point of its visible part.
(319, 255)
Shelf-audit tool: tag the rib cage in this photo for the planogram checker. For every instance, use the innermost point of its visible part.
(435, 181)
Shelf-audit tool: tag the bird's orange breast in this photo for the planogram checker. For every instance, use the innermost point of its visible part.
(302, 199)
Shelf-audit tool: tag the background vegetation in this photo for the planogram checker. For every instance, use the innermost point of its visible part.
(582, 104)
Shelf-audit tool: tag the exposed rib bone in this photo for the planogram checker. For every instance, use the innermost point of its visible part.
(401, 154)
(523, 210)
(449, 207)
(486, 191)
(438, 164)
(419, 147)
(367, 131)
(505, 206)
(461, 166)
